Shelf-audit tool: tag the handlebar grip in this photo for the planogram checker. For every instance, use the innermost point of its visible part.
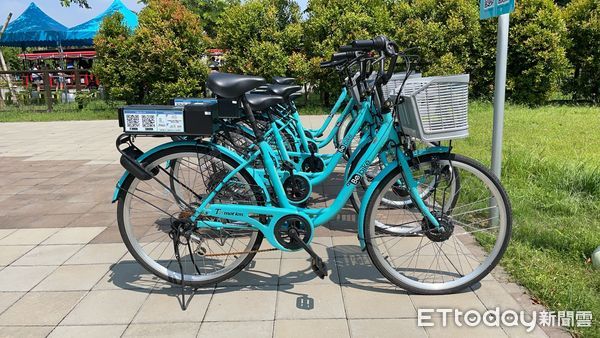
(346, 48)
(363, 44)
(343, 56)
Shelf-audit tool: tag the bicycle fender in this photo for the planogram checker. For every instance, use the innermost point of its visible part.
(118, 191)
(364, 203)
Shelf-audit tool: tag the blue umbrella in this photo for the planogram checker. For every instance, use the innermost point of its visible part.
(33, 28)
(83, 34)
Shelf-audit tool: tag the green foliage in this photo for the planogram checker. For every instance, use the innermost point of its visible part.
(583, 23)
(80, 3)
(537, 61)
(447, 33)
(161, 59)
(210, 12)
(11, 57)
(333, 23)
(259, 35)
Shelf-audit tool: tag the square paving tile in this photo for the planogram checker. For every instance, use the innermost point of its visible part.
(239, 304)
(25, 331)
(50, 221)
(257, 272)
(164, 306)
(256, 329)
(371, 300)
(127, 276)
(9, 298)
(463, 301)
(6, 232)
(48, 255)
(182, 330)
(298, 271)
(23, 278)
(493, 295)
(452, 330)
(11, 253)
(73, 278)
(357, 268)
(99, 253)
(106, 307)
(75, 235)
(28, 236)
(88, 331)
(310, 302)
(40, 308)
(384, 328)
(330, 328)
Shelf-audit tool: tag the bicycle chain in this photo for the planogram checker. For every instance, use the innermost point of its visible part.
(238, 253)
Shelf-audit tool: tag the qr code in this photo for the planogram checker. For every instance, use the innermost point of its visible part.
(488, 3)
(148, 122)
(133, 122)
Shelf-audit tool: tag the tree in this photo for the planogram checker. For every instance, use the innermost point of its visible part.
(583, 22)
(11, 57)
(333, 23)
(259, 35)
(537, 60)
(80, 3)
(161, 59)
(446, 33)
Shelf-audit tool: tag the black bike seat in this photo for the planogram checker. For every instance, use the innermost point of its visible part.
(283, 90)
(262, 102)
(283, 80)
(232, 86)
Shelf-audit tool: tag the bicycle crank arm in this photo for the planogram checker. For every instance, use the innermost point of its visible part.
(317, 264)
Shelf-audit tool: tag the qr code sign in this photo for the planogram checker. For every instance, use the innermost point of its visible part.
(132, 122)
(488, 3)
(148, 122)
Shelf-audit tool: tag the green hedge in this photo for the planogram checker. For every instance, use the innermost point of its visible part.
(583, 23)
(272, 37)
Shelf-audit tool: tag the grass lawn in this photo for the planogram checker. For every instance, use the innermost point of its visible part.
(96, 110)
(551, 170)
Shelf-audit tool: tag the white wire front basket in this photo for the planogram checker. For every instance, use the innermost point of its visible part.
(434, 108)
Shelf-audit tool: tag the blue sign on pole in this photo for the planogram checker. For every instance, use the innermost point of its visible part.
(491, 8)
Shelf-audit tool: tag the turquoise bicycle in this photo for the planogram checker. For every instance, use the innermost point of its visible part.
(206, 223)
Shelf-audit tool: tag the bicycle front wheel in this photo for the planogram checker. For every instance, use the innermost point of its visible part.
(476, 219)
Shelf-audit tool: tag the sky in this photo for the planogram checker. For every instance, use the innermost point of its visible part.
(70, 16)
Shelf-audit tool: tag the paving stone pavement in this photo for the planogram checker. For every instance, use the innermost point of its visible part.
(64, 271)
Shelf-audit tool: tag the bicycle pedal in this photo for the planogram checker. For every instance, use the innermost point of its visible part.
(319, 267)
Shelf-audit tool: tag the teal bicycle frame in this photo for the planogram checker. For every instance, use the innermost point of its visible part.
(315, 217)
(319, 132)
(331, 160)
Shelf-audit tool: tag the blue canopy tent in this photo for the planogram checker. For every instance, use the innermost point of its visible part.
(33, 28)
(83, 34)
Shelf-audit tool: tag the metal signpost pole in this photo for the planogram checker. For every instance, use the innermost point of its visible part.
(499, 92)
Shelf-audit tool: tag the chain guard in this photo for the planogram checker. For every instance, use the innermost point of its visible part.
(285, 223)
(297, 188)
(313, 164)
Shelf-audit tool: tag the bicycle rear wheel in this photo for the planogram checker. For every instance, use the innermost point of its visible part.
(148, 211)
(415, 255)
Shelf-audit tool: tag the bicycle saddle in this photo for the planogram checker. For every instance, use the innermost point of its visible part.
(283, 90)
(294, 96)
(231, 86)
(262, 102)
(283, 80)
